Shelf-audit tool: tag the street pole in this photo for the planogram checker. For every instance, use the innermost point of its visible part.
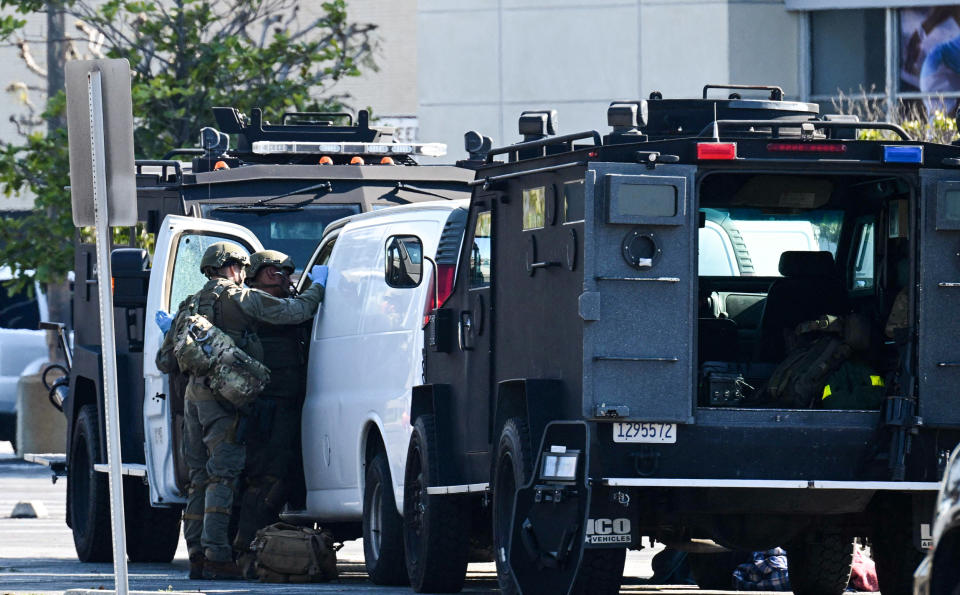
(107, 333)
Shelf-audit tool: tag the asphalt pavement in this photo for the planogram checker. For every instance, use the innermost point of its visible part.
(37, 555)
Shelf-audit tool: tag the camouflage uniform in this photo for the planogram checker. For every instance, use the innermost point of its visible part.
(212, 450)
(273, 447)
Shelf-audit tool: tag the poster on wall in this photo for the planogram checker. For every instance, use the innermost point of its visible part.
(930, 54)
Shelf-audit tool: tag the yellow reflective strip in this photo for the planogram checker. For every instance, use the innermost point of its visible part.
(876, 381)
(826, 392)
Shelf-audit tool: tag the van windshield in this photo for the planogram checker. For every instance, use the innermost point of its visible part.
(766, 235)
(295, 232)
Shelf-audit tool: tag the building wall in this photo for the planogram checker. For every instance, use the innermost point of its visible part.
(13, 71)
(482, 62)
(390, 90)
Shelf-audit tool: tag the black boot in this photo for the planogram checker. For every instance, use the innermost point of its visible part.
(197, 561)
(221, 571)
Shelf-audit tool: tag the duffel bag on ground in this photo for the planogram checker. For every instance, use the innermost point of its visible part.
(290, 554)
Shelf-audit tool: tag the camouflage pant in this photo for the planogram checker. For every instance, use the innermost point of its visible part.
(273, 444)
(215, 461)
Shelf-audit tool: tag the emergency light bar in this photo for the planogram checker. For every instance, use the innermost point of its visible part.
(264, 147)
(903, 153)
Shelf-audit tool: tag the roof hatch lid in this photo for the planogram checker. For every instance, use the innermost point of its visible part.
(671, 118)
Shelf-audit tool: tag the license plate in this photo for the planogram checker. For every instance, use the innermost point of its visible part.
(644, 432)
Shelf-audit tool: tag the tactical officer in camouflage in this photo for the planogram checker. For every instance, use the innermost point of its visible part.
(214, 452)
(273, 435)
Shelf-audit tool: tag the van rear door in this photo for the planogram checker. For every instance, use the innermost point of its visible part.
(939, 276)
(175, 275)
(639, 301)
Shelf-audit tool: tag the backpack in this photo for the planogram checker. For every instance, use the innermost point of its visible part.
(818, 349)
(202, 349)
(289, 554)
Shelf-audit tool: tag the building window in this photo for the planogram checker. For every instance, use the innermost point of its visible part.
(930, 56)
(848, 52)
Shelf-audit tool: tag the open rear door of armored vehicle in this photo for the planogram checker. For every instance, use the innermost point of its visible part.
(640, 291)
(939, 282)
(175, 275)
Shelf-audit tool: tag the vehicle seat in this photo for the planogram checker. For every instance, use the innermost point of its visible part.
(717, 340)
(810, 288)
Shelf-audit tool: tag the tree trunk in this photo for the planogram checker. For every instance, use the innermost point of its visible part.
(58, 294)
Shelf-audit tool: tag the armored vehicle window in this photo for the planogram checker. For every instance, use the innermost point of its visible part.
(647, 200)
(948, 212)
(863, 258)
(573, 201)
(294, 232)
(480, 252)
(187, 278)
(769, 233)
(534, 207)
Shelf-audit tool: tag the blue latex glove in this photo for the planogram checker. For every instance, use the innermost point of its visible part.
(318, 274)
(164, 321)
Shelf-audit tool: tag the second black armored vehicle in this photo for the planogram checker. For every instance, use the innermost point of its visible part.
(727, 324)
(283, 183)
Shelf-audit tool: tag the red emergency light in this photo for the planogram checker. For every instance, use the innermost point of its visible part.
(807, 147)
(717, 151)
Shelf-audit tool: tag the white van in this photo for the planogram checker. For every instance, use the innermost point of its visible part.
(366, 353)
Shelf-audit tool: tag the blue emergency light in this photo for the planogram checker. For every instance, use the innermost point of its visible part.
(903, 153)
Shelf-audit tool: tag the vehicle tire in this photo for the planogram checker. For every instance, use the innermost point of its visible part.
(89, 497)
(821, 567)
(382, 526)
(601, 572)
(153, 534)
(892, 546)
(512, 468)
(436, 529)
(715, 571)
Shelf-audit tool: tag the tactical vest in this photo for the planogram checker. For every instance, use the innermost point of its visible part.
(226, 315)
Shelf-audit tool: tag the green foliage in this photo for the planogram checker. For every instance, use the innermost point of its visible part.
(910, 115)
(186, 56)
(42, 240)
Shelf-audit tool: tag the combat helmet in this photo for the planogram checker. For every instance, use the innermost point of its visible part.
(263, 258)
(220, 253)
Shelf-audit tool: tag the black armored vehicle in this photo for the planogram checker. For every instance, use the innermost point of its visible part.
(283, 184)
(727, 324)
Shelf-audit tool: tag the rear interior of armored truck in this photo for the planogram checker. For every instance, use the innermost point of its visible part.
(804, 290)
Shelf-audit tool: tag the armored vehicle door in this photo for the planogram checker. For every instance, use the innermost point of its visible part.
(939, 277)
(639, 301)
(175, 275)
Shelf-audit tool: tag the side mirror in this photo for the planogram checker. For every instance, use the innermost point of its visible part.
(404, 261)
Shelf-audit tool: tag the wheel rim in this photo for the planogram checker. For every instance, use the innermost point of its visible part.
(376, 520)
(79, 484)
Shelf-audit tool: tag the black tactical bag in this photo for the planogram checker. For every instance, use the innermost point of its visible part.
(818, 349)
(290, 554)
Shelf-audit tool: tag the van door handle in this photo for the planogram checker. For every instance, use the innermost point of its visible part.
(464, 328)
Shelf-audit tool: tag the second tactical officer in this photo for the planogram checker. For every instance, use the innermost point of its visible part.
(273, 435)
(212, 448)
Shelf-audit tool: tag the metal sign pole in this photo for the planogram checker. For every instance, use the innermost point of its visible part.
(108, 338)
